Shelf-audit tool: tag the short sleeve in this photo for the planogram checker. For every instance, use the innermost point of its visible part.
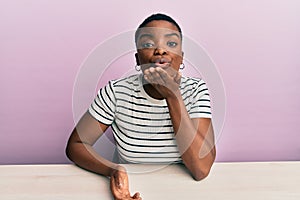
(103, 106)
(200, 107)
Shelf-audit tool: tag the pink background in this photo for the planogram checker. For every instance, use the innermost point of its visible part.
(255, 45)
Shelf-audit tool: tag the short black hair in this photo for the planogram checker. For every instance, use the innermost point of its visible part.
(158, 16)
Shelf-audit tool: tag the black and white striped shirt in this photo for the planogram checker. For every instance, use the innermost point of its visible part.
(142, 125)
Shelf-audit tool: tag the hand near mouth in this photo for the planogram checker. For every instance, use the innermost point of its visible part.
(167, 85)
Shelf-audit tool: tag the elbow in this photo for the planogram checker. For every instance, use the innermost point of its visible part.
(201, 174)
(202, 171)
(68, 152)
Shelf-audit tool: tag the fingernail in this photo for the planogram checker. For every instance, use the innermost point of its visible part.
(151, 69)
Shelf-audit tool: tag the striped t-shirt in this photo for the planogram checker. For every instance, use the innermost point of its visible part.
(141, 125)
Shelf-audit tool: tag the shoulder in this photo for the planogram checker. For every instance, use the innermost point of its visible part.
(127, 81)
(191, 83)
(125, 85)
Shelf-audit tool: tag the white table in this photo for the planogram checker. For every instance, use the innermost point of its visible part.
(242, 181)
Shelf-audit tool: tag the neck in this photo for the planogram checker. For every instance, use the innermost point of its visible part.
(151, 91)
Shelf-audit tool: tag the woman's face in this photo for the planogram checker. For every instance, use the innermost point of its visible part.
(159, 45)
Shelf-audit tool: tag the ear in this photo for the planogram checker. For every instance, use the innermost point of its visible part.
(137, 60)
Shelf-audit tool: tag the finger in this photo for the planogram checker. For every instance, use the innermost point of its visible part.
(159, 77)
(154, 77)
(146, 72)
(158, 80)
(118, 179)
(137, 196)
(163, 74)
(115, 183)
(148, 76)
(115, 179)
(121, 180)
(177, 78)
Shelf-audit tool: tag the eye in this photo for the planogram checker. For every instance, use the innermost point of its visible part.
(147, 45)
(172, 44)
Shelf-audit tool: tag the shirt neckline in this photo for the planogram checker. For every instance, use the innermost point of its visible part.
(148, 97)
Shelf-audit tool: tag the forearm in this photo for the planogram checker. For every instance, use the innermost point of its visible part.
(86, 157)
(197, 150)
(198, 157)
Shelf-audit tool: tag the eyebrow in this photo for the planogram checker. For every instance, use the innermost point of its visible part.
(151, 36)
(172, 34)
(145, 35)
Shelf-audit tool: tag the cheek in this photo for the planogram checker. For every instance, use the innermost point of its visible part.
(144, 55)
(177, 60)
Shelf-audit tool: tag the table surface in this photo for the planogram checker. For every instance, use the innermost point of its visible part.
(249, 180)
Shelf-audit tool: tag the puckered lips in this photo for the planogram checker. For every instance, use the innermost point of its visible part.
(161, 62)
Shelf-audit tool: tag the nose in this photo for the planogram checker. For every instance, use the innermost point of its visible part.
(160, 51)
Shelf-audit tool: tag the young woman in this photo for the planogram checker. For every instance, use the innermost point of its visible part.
(157, 116)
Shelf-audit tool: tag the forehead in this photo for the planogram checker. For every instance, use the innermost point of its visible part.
(162, 24)
(158, 28)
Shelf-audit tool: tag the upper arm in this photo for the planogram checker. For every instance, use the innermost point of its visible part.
(205, 130)
(88, 130)
(97, 119)
(200, 113)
